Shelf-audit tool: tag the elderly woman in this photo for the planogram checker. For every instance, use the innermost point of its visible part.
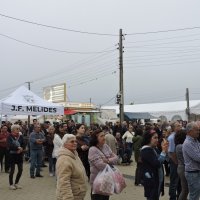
(16, 146)
(99, 156)
(71, 176)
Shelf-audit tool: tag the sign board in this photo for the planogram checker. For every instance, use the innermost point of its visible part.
(55, 93)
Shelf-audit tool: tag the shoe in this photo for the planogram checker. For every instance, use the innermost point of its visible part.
(12, 187)
(32, 176)
(38, 175)
(18, 186)
(51, 174)
(44, 165)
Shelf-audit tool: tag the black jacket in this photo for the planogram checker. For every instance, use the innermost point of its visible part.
(13, 144)
(150, 166)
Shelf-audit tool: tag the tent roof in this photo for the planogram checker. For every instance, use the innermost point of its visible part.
(24, 97)
(131, 115)
(157, 107)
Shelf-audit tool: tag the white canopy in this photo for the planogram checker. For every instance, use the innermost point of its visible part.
(24, 102)
(168, 109)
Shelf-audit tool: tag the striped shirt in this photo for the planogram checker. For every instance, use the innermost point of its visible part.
(191, 154)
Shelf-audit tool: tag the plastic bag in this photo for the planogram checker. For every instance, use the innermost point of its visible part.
(119, 180)
(104, 183)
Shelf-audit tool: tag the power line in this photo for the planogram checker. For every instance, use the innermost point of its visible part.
(149, 62)
(91, 75)
(93, 79)
(160, 58)
(161, 100)
(160, 39)
(160, 48)
(158, 65)
(55, 50)
(75, 66)
(165, 47)
(58, 28)
(173, 42)
(108, 100)
(82, 78)
(10, 88)
(168, 53)
(78, 74)
(164, 31)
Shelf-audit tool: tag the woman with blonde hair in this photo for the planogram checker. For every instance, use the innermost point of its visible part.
(16, 147)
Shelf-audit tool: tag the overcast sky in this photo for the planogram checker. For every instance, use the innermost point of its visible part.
(158, 67)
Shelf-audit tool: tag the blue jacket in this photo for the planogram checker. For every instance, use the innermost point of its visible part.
(33, 137)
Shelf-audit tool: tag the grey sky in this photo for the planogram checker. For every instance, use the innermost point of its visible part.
(150, 72)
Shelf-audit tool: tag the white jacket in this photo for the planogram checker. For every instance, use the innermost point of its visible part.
(57, 142)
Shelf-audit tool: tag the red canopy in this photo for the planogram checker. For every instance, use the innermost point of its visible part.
(69, 112)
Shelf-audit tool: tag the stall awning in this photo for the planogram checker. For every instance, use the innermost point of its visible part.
(69, 112)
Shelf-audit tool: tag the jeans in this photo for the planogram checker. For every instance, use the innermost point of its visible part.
(184, 186)
(4, 153)
(130, 147)
(12, 170)
(138, 173)
(36, 161)
(52, 164)
(193, 180)
(174, 180)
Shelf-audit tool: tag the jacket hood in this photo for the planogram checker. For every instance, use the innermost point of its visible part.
(66, 152)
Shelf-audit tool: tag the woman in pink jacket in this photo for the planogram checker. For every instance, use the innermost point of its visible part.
(99, 156)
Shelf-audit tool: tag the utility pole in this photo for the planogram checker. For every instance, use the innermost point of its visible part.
(121, 81)
(29, 87)
(188, 104)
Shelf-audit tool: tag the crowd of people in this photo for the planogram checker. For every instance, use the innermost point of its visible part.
(77, 153)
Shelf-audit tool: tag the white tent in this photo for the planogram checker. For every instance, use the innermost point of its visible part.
(168, 110)
(24, 102)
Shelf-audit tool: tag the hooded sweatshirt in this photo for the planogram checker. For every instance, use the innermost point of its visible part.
(71, 176)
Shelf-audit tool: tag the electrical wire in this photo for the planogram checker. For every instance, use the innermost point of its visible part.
(94, 79)
(158, 65)
(85, 72)
(162, 54)
(159, 49)
(149, 62)
(10, 88)
(58, 28)
(164, 31)
(160, 39)
(108, 101)
(54, 50)
(166, 47)
(163, 99)
(83, 78)
(160, 58)
(74, 66)
(173, 42)
(92, 75)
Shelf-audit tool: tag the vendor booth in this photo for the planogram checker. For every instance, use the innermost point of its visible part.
(24, 102)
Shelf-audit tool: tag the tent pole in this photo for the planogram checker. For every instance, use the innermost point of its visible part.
(1, 120)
